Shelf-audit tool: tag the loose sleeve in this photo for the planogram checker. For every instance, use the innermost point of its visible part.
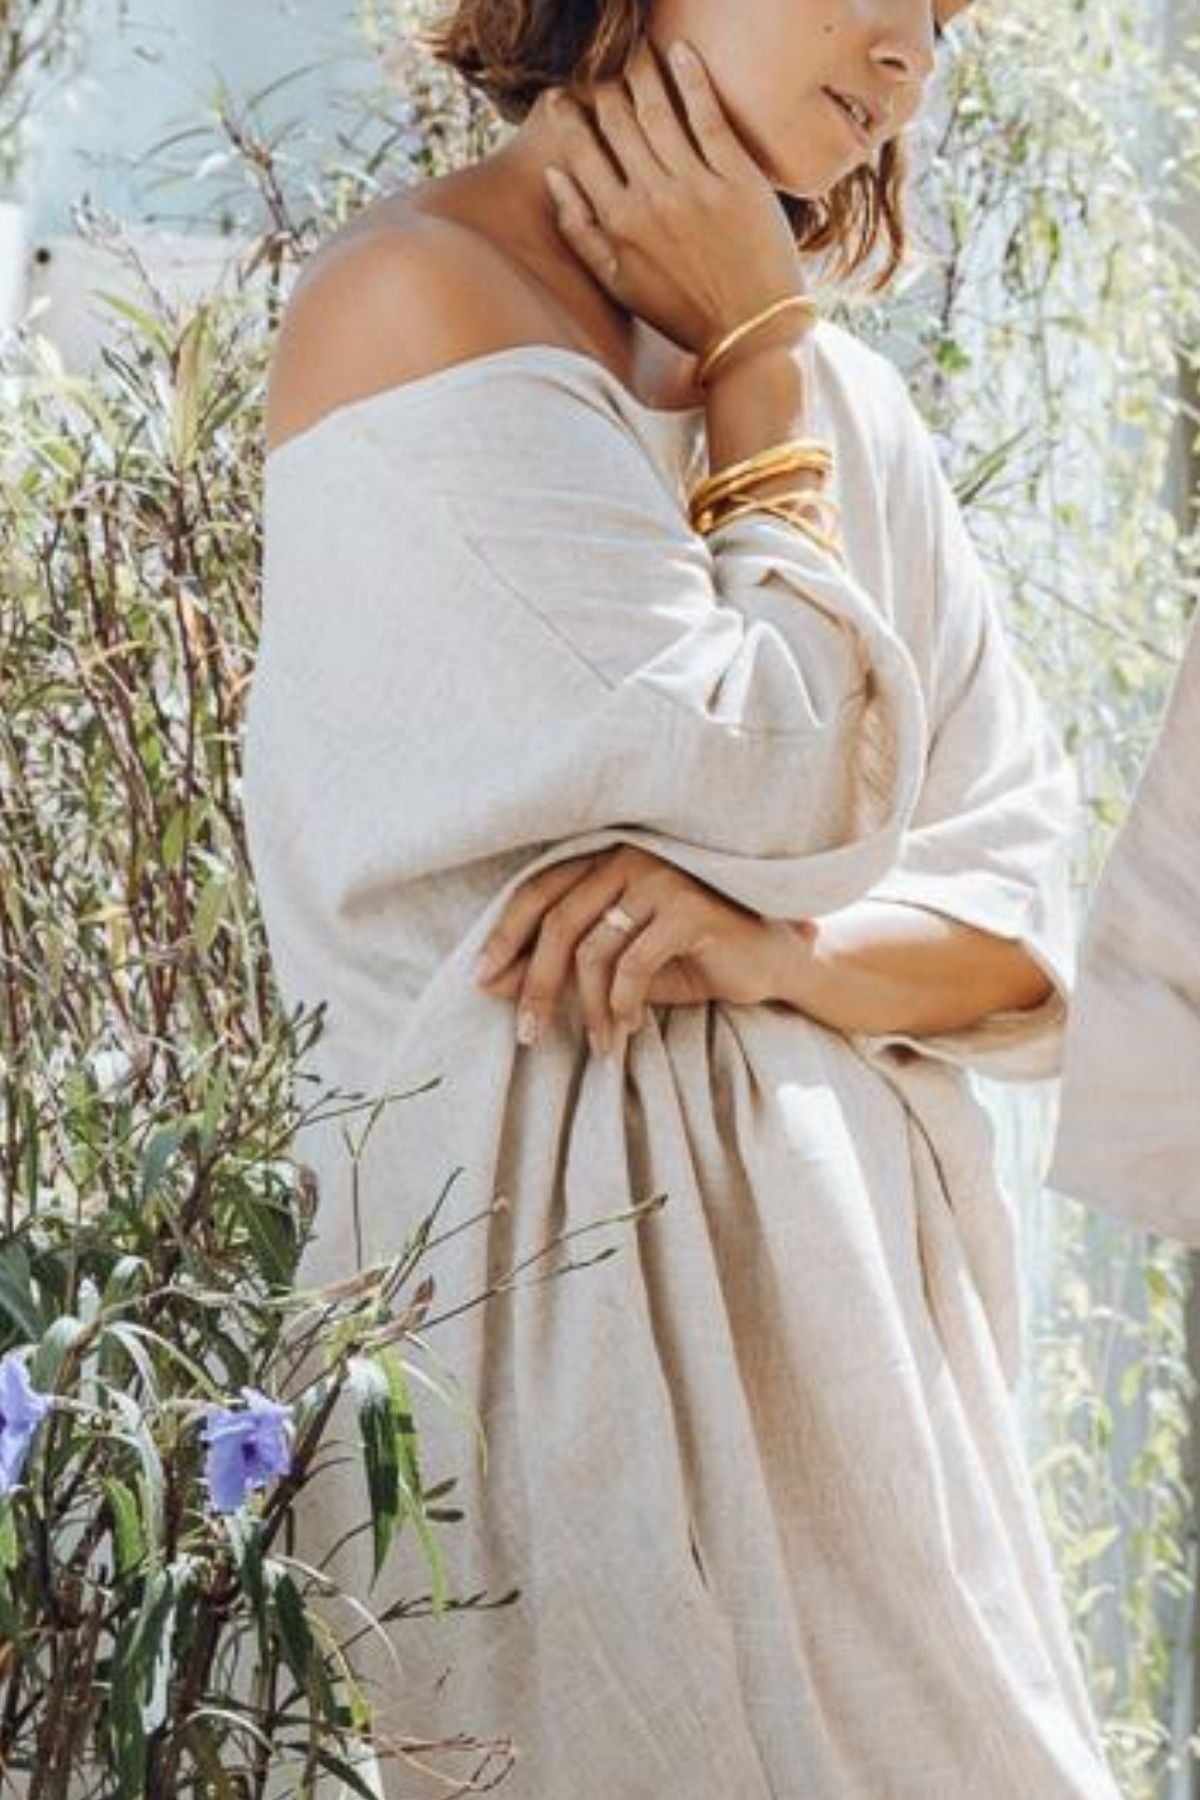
(1129, 1127)
(491, 628)
(989, 839)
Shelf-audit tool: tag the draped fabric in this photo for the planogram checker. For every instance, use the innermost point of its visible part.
(1129, 1127)
(755, 1471)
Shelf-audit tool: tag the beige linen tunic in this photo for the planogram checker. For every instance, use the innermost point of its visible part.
(755, 1474)
(1129, 1128)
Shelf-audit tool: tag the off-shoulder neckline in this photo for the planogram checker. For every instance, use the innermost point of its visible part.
(455, 373)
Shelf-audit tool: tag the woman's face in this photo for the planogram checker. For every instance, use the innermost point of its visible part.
(792, 73)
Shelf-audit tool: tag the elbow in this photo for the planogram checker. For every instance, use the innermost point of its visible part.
(1026, 984)
(996, 975)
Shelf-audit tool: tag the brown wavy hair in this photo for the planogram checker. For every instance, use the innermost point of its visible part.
(511, 50)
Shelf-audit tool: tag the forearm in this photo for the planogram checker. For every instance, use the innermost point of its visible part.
(876, 967)
(872, 967)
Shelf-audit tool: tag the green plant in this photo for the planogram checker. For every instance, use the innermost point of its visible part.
(150, 1222)
(150, 1216)
(37, 38)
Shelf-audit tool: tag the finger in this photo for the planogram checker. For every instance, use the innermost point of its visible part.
(659, 112)
(523, 911)
(595, 957)
(617, 119)
(508, 983)
(580, 229)
(719, 145)
(552, 957)
(587, 161)
(664, 938)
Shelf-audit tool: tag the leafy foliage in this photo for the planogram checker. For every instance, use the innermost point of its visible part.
(152, 1217)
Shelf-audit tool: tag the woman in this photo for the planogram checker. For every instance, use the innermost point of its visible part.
(567, 653)
(1129, 1130)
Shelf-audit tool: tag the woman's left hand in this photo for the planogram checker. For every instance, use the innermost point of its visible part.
(688, 944)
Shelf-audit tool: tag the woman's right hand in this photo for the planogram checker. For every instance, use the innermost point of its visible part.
(689, 236)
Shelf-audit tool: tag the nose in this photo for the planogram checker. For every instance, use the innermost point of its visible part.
(903, 50)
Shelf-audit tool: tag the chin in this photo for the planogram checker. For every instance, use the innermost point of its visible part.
(812, 184)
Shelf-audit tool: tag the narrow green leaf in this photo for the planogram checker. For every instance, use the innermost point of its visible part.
(147, 324)
(132, 1339)
(271, 1240)
(368, 1382)
(158, 1153)
(57, 1341)
(150, 1472)
(129, 1543)
(211, 904)
(245, 1534)
(10, 1553)
(345, 1772)
(296, 1640)
(410, 1474)
(190, 366)
(1093, 1544)
(16, 1291)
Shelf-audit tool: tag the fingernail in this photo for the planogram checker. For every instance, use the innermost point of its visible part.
(594, 1041)
(556, 182)
(486, 963)
(682, 54)
(527, 1026)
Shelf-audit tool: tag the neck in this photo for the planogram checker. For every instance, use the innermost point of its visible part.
(515, 206)
(526, 215)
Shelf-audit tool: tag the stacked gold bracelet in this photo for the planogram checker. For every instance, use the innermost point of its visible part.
(732, 492)
(794, 456)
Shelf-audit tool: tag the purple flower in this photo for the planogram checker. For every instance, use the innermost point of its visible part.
(22, 1410)
(246, 1448)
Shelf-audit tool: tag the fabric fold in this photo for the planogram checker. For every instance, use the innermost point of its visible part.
(772, 1424)
(989, 840)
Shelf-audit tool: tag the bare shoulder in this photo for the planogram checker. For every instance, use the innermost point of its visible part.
(377, 307)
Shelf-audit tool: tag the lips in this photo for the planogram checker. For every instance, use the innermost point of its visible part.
(856, 112)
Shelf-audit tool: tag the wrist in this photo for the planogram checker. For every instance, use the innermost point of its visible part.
(782, 326)
(774, 353)
(803, 977)
(756, 400)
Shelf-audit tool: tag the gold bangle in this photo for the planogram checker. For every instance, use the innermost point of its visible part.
(775, 457)
(791, 509)
(708, 509)
(705, 493)
(704, 517)
(804, 302)
(793, 456)
(797, 500)
(779, 459)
